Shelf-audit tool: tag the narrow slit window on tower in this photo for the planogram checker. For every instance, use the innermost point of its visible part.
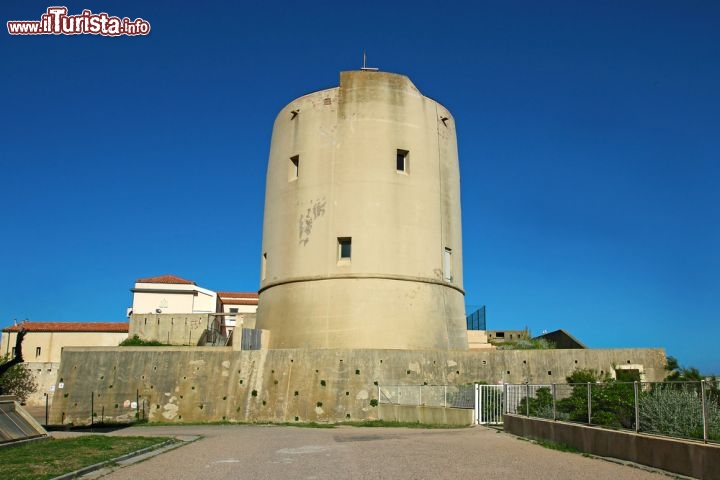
(294, 168)
(447, 264)
(37, 351)
(263, 266)
(401, 162)
(344, 248)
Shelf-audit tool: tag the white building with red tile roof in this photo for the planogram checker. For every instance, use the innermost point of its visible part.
(171, 294)
(240, 307)
(43, 344)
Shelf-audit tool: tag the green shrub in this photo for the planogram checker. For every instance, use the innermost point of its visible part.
(136, 341)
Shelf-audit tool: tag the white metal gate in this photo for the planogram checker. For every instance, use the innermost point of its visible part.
(488, 404)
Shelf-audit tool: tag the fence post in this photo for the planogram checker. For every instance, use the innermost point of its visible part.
(704, 411)
(527, 399)
(554, 394)
(506, 406)
(46, 409)
(637, 407)
(589, 401)
(477, 403)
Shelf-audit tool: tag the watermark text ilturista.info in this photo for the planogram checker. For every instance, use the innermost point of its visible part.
(56, 21)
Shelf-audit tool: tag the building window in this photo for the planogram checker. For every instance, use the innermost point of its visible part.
(447, 264)
(263, 266)
(37, 351)
(402, 161)
(294, 168)
(344, 248)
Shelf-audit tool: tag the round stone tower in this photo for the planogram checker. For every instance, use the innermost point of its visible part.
(361, 237)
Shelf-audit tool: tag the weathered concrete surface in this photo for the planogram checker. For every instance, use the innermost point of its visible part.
(203, 384)
(170, 328)
(267, 452)
(461, 417)
(400, 289)
(694, 459)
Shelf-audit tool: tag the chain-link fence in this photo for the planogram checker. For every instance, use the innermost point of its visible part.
(456, 396)
(688, 410)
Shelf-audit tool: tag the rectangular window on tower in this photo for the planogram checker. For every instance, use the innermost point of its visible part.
(447, 264)
(263, 266)
(344, 248)
(38, 350)
(294, 168)
(402, 161)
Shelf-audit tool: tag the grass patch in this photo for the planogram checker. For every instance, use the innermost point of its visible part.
(55, 457)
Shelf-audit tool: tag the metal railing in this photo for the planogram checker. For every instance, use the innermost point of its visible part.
(689, 410)
(454, 396)
(103, 408)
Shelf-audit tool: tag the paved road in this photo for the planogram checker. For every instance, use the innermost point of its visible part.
(274, 452)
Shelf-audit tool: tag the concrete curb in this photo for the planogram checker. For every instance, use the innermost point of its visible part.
(154, 449)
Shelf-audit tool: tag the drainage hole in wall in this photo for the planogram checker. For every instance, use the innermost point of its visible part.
(319, 404)
(264, 402)
(322, 383)
(347, 415)
(297, 393)
(357, 372)
(254, 393)
(347, 394)
(407, 372)
(297, 418)
(225, 397)
(276, 382)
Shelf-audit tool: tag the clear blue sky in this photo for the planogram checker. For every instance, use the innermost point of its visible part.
(589, 142)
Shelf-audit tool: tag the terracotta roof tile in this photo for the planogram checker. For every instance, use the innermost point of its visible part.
(120, 327)
(165, 279)
(237, 294)
(239, 301)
